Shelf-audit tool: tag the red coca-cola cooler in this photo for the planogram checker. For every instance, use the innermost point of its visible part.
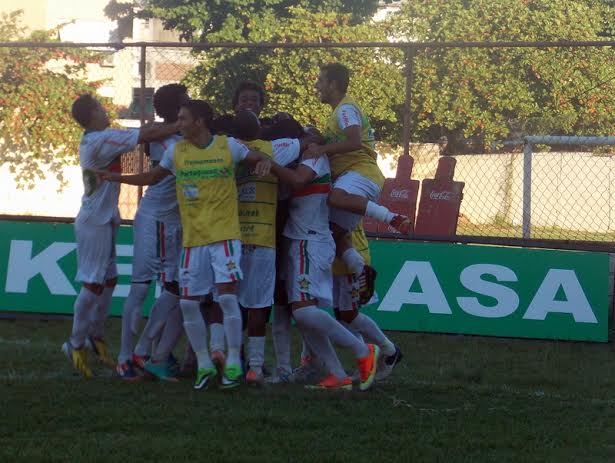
(399, 194)
(440, 202)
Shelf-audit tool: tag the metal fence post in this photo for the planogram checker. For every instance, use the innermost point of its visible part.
(408, 71)
(527, 189)
(142, 62)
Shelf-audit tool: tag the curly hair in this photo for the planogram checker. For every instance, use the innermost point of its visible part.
(167, 101)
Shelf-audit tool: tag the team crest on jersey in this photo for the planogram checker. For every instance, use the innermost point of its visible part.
(354, 294)
(304, 283)
(191, 191)
(231, 266)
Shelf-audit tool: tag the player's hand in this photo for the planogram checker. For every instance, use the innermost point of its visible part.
(263, 168)
(313, 151)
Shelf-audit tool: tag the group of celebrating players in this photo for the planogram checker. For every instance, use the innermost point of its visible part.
(241, 215)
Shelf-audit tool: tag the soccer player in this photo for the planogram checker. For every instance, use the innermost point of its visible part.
(204, 167)
(258, 197)
(157, 247)
(347, 301)
(357, 179)
(311, 251)
(96, 225)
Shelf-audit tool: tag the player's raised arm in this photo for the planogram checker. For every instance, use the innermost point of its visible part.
(157, 131)
(146, 178)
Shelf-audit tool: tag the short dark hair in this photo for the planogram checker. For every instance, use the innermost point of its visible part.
(200, 110)
(82, 109)
(252, 86)
(167, 101)
(338, 73)
(246, 125)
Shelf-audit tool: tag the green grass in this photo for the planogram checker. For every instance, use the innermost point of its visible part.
(454, 399)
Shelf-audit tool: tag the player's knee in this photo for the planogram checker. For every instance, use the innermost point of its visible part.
(172, 287)
(95, 288)
(257, 322)
(346, 316)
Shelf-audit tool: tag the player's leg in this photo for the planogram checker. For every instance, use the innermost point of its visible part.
(256, 291)
(96, 333)
(356, 194)
(215, 320)
(94, 246)
(347, 312)
(310, 283)
(165, 322)
(226, 267)
(196, 280)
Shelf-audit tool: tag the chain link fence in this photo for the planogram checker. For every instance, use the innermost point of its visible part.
(455, 101)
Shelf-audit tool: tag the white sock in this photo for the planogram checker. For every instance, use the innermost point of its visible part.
(322, 349)
(173, 330)
(161, 309)
(256, 353)
(99, 315)
(84, 304)
(216, 342)
(130, 314)
(353, 260)
(379, 212)
(232, 327)
(365, 326)
(196, 331)
(318, 320)
(280, 331)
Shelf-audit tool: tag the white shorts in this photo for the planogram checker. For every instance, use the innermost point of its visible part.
(258, 284)
(202, 267)
(308, 271)
(356, 184)
(157, 248)
(346, 294)
(96, 262)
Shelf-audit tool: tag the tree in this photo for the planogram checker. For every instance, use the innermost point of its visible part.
(37, 86)
(487, 93)
(288, 75)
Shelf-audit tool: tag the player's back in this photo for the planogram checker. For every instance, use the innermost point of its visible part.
(102, 150)
(160, 200)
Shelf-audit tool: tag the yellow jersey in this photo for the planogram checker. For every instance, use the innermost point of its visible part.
(362, 161)
(206, 192)
(258, 198)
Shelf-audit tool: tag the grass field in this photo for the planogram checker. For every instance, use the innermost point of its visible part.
(454, 399)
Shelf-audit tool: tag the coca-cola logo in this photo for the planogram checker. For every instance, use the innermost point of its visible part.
(441, 195)
(399, 194)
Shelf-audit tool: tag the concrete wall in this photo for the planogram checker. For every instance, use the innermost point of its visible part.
(569, 190)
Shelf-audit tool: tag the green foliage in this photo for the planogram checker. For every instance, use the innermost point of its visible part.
(37, 87)
(289, 74)
(211, 20)
(490, 94)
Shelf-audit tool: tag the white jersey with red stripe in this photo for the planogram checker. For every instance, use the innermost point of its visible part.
(308, 212)
(101, 149)
(160, 200)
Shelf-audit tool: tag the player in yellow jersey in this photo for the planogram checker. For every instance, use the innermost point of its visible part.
(347, 301)
(204, 167)
(357, 180)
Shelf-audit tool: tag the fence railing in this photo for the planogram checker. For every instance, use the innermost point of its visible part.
(512, 195)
